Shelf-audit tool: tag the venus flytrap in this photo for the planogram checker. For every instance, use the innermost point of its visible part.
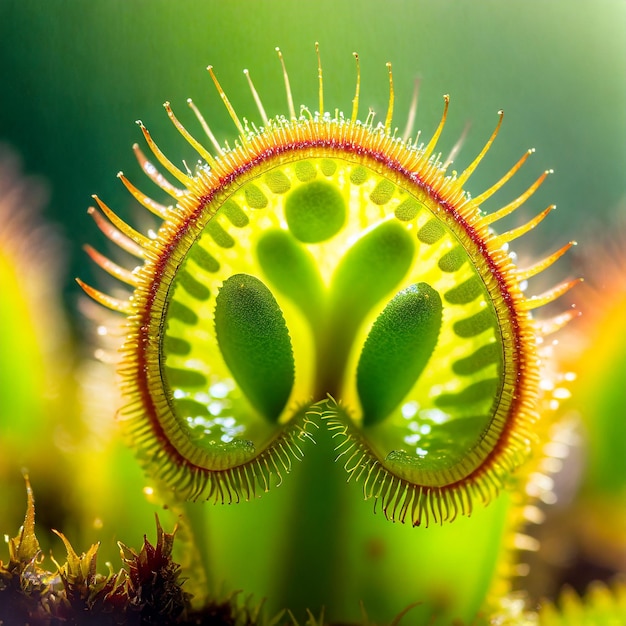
(390, 220)
(322, 292)
(324, 280)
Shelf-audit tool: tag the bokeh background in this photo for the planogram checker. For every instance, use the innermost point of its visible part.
(75, 76)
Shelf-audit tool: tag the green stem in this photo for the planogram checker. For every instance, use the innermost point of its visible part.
(316, 535)
(191, 548)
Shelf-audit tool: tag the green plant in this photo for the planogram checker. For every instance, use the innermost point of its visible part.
(326, 281)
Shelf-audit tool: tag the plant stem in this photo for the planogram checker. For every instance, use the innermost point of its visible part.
(316, 534)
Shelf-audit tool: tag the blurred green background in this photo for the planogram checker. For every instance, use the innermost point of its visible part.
(76, 75)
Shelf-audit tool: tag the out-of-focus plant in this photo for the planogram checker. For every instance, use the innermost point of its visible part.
(384, 293)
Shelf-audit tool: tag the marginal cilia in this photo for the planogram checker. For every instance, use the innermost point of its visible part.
(326, 273)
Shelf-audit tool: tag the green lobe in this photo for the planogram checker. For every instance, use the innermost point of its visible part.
(397, 350)
(371, 269)
(315, 211)
(254, 341)
(292, 270)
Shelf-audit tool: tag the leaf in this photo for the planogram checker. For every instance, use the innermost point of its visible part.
(397, 350)
(24, 548)
(255, 343)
